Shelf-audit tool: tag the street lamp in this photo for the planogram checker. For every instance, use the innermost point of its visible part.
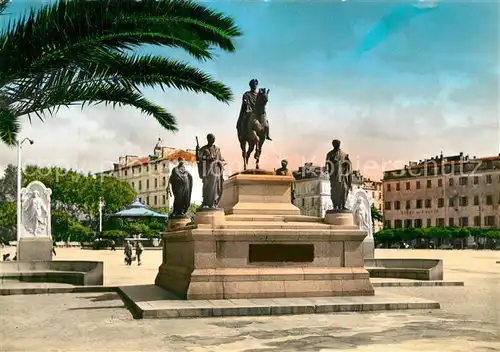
(19, 183)
(102, 204)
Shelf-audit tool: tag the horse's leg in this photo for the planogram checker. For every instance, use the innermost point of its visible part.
(243, 145)
(262, 140)
(251, 146)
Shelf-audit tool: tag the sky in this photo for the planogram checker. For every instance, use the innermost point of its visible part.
(393, 83)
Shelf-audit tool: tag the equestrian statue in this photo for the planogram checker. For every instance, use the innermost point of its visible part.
(252, 125)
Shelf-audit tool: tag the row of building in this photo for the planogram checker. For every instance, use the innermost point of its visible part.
(439, 191)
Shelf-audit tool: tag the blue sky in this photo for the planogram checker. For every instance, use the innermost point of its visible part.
(422, 85)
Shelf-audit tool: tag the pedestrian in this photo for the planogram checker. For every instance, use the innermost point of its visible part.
(138, 251)
(113, 248)
(54, 247)
(128, 253)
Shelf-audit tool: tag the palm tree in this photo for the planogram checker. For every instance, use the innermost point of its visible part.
(85, 52)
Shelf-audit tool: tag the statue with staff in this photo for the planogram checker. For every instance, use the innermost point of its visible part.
(252, 125)
(210, 169)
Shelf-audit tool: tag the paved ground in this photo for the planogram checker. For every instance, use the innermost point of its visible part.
(468, 321)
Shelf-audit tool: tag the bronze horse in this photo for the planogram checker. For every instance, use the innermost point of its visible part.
(251, 130)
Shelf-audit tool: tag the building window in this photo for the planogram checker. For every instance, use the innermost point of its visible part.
(451, 182)
(398, 187)
(397, 205)
(440, 222)
(418, 184)
(440, 202)
(140, 199)
(463, 221)
(156, 183)
(463, 201)
(440, 182)
(388, 187)
(429, 183)
(489, 179)
(419, 203)
(147, 168)
(451, 222)
(476, 180)
(408, 186)
(147, 200)
(163, 199)
(398, 224)
(156, 167)
(489, 220)
(387, 224)
(303, 202)
(429, 222)
(418, 223)
(477, 221)
(451, 202)
(164, 181)
(156, 200)
(147, 184)
(428, 203)
(408, 223)
(462, 181)
(408, 204)
(313, 200)
(140, 185)
(133, 185)
(476, 200)
(387, 205)
(489, 199)
(125, 172)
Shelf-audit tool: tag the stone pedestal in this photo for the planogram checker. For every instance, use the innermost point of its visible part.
(263, 248)
(179, 223)
(369, 248)
(35, 248)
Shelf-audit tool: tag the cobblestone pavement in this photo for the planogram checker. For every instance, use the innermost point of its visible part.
(468, 321)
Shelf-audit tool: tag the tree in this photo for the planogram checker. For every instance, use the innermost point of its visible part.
(376, 215)
(7, 221)
(78, 194)
(83, 52)
(8, 184)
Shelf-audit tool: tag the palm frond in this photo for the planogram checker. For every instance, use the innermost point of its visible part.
(9, 127)
(3, 5)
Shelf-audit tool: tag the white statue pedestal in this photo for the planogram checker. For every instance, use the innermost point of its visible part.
(35, 248)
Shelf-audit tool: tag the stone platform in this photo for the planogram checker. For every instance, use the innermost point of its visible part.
(152, 302)
(259, 246)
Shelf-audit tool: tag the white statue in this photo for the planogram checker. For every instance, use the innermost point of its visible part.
(35, 215)
(359, 203)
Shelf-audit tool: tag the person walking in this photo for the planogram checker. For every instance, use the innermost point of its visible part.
(138, 251)
(54, 247)
(113, 245)
(128, 253)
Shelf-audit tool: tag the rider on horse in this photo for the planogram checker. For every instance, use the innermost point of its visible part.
(247, 107)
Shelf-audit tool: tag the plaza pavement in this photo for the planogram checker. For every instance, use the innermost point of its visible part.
(469, 318)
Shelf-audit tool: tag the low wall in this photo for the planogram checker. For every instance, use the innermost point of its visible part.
(416, 269)
(82, 273)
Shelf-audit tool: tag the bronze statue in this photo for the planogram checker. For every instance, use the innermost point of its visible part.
(210, 169)
(181, 183)
(283, 170)
(252, 125)
(339, 169)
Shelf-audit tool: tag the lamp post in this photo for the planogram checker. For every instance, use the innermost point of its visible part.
(102, 203)
(18, 191)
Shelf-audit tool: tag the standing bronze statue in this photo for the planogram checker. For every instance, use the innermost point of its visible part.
(339, 169)
(180, 184)
(252, 125)
(210, 169)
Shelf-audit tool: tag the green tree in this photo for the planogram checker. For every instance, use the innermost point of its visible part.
(82, 52)
(80, 233)
(78, 194)
(8, 184)
(7, 222)
(376, 215)
(61, 222)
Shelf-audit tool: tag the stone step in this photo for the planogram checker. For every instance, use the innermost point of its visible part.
(271, 225)
(275, 218)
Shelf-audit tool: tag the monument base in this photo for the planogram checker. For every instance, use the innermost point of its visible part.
(177, 223)
(245, 252)
(369, 248)
(35, 248)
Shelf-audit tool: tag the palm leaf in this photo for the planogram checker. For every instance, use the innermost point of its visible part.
(78, 51)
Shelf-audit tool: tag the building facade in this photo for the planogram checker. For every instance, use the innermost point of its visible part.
(312, 189)
(149, 176)
(443, 191)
